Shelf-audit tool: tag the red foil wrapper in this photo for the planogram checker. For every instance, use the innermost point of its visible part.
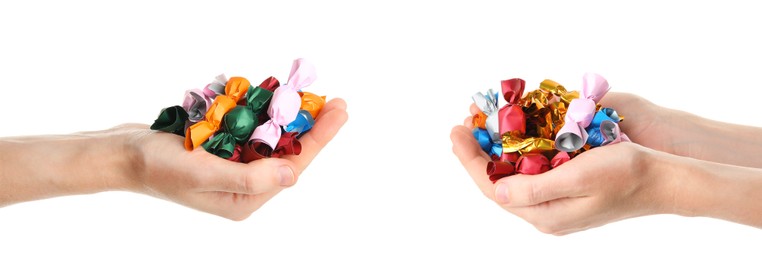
(255, 149)
(533, 163)
(510, 157)
(560, 158)
(270, 84)
(287, 145)
(511, 116)
(498, 170)
(236, 157)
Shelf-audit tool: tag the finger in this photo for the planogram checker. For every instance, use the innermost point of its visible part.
(472, 157)
(469, 122)
(336, 103)
(254, 178)
(474, 109)
(331, 119)
(526, 190)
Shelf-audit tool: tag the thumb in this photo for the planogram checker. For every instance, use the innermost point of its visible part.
(254, 178)
(526, 190)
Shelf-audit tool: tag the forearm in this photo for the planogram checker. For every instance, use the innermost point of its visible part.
(708, 189)
(716, 141)
(40, 167)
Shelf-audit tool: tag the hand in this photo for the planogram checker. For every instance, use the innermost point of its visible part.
(646, 123)
(208, 183)
(685, 134)
(627, 180)
(600, 186)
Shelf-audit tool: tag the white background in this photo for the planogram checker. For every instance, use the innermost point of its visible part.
(407, 71)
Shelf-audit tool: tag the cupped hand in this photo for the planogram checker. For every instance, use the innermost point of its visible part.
(600, 186)
(200, 180)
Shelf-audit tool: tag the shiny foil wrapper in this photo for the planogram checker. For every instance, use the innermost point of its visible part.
(222, 117)
(531, 124)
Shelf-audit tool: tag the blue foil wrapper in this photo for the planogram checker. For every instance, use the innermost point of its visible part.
(595, 137)
(302, 124)
(485, 142)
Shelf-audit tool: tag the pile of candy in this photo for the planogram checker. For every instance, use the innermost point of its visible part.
(545, 128)
(237, 121)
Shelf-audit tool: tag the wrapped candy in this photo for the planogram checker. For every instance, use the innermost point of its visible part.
(312, 103)
(487, 125)
(302, 123)
(285, 104)
(533, 163)
(581, 112)
(224, 115)
(594, 132)
(196, 103)
(237, 127)
(171, 120)
(511, 116)
(546, 127)
(199, 132)
(311, 106)
(216, 87)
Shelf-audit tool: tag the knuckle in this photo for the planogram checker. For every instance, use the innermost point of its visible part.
(534, 193)
(249, 183)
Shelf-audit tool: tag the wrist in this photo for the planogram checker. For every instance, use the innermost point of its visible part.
(90, 162)
(690, 188)
(39, 167)
(120, 158)
(675, 184)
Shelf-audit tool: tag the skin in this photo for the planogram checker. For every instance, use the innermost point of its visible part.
(134, 158)
(678, 163)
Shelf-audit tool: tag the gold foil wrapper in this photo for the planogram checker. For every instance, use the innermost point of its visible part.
(558, 90)
(512, 142)
(545, 109)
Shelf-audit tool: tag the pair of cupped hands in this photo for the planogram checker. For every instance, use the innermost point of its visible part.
(600, 186)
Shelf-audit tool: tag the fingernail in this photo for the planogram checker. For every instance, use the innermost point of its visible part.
(501, 193)
(286, 176)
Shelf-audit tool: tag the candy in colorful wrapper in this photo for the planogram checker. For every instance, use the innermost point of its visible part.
(196, 103)
(532, 163)
(303, 123)
(511, 116)
(596, 129)
(237, 127)
(199, 132)
(236, 157)
(285, 104)
(312, 103)
(224, 115)
(216, 87)
(490, 146)
(171, 120)
(546, 127)
(580, 113)
(499, 169)
(487, 130)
